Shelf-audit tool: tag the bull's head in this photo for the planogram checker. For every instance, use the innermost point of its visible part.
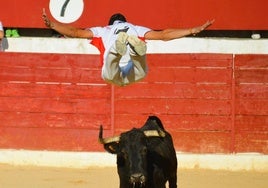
(131, 149)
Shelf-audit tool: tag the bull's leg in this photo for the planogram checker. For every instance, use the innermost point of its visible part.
(173, 181)
(159, 180)
(159, 184)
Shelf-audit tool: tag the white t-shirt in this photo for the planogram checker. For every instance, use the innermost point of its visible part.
(104, 37)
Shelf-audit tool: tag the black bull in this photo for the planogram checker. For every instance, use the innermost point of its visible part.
(145, 157)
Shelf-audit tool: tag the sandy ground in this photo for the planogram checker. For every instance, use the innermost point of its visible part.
(95, 177)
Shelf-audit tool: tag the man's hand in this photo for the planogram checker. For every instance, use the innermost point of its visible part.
(198, 29)
(46, 20)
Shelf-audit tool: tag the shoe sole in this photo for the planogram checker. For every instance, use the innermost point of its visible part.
(120, 43)
(137, 44)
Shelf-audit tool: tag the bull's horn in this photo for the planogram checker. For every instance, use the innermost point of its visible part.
(107, 140)
(156, 133)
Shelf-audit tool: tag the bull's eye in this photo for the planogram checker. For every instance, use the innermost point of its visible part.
(124, 154)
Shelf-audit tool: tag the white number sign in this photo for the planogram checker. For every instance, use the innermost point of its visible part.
(66, 11)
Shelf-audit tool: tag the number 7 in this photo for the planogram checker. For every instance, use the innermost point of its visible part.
(62, 12)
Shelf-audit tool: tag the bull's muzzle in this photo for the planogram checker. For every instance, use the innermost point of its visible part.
(137, 180)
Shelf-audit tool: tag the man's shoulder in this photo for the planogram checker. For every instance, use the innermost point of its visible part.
(98, 30)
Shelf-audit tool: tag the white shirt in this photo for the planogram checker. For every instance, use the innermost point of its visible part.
(108, 34)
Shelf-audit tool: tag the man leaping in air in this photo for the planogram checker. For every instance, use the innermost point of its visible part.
(122, 45)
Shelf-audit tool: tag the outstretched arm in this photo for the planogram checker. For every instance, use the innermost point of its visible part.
(170, 34)
(66, 30)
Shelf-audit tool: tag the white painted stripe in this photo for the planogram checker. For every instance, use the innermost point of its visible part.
(210, 45)
(233, 162)
(183, 45)
(49, 45)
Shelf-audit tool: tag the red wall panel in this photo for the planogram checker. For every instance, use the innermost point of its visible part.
(191, 93)
(200, 142)
(251, 106)
(229, 15)
(58, 101)
(251, 141)
(52, 101)
(58, 139)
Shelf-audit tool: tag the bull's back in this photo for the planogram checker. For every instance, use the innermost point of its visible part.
(153, 123)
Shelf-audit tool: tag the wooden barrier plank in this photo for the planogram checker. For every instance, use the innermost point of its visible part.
(175, 122)
(197, 122)
(189, 75)
(190, 60)
(55, 90)
(251, 123)
(69, 139)
(90, 121)
(251, 68)
(173, 106)
(251, 107)
(55, 105)
(208, 107)
(202, 142)
(252, 91)
(249, 61)
(15, 59)
(174, 90)
(248, 141)
(65, 75)
(39, 67)
(251, 76)
(33, 60)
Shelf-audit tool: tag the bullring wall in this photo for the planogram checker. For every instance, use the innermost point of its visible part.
(210, 101)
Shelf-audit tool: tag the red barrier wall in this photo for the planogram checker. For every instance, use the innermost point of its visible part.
(229, 14)
(210, 103)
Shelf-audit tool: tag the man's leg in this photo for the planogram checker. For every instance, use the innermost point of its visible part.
(135, 70)
(111, 71)
(140, 67)
(138, 56)
(137, 45)
(121, 43)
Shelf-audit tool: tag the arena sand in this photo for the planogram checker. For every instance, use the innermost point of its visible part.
(96, 177)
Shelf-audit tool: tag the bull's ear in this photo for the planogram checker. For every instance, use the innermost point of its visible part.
(112, 147)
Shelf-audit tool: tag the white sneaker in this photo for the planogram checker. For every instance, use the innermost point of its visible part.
(137, 45)
(121, 43)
